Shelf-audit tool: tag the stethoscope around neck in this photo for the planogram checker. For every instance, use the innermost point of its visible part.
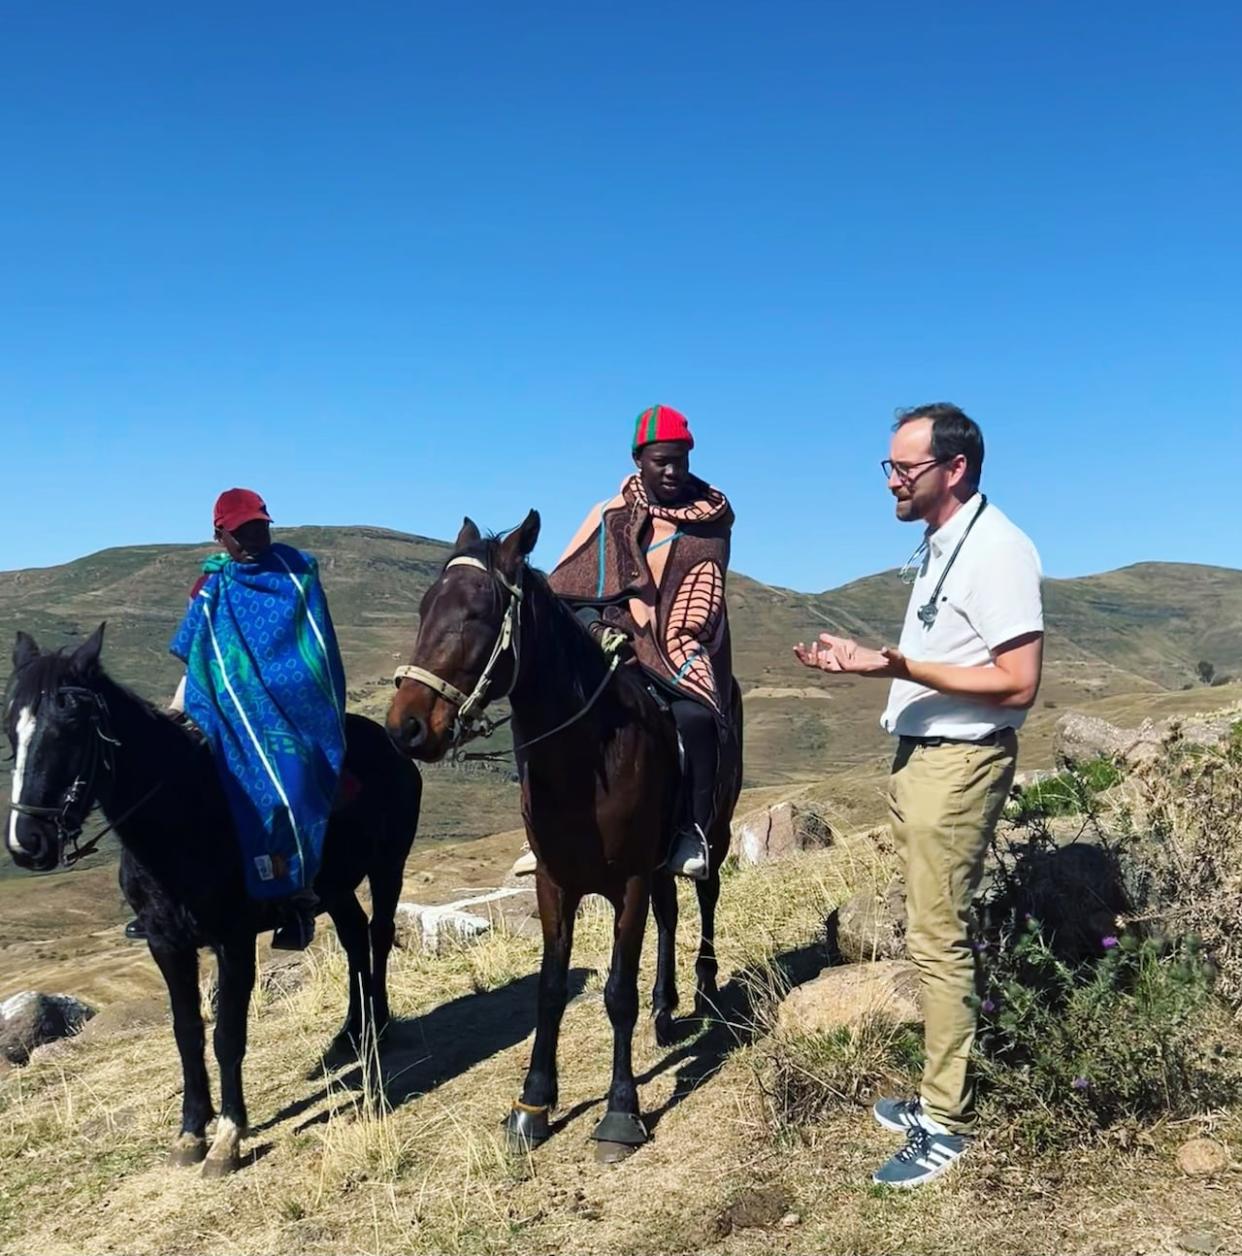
(931, 608)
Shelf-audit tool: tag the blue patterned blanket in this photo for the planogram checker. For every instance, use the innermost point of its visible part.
(265, 684)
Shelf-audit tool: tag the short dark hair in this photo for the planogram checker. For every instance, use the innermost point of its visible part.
(953, 432)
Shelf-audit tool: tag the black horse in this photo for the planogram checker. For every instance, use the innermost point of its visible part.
(79, 738)
(597, 754)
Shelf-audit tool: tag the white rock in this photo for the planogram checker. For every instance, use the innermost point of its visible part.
(462, 920)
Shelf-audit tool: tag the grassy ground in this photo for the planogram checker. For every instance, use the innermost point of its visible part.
(84, 1128)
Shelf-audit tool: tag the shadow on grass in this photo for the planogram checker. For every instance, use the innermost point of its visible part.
(419, 1053)
(738, 1016)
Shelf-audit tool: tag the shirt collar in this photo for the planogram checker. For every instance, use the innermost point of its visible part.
(941, 540)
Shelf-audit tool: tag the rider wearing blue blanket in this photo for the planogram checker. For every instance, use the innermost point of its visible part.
(265, 684)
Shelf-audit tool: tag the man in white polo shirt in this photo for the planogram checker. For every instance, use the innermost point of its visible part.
(965, 673)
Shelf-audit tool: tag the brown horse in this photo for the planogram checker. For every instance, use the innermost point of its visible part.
(597, 758)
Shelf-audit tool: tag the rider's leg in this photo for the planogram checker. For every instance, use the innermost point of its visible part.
(699, 738)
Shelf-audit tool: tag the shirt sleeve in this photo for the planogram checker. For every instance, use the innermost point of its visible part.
(1005, 600)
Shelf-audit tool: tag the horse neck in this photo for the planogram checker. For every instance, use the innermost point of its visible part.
(560, 666)
(151, 757)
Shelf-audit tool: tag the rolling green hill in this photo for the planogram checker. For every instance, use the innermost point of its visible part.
(1140, 630)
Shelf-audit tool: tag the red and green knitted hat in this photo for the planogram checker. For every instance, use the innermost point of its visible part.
(660, 423)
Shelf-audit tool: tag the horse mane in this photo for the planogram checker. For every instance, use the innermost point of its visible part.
(45, 673)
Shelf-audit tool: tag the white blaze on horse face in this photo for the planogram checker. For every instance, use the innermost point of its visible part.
(25, 735)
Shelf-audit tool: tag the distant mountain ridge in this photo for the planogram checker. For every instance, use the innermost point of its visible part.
(1143, 628)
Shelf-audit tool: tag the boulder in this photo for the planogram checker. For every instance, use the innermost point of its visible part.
(30, 1019)
(469, 918)
(777, 832)
(1202, 1157)
(871, 925)
(851, 996)
(1079, 738)
(128, 1015)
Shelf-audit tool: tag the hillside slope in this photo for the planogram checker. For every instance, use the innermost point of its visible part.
(1139, 630)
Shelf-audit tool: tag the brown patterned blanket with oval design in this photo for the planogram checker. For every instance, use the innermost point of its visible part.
(659, 573)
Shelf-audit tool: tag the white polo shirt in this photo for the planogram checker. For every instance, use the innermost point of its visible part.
(990, 596)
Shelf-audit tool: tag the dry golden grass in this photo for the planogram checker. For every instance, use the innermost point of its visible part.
(84, 1129)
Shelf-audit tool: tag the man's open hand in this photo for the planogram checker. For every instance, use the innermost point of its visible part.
(842, 654)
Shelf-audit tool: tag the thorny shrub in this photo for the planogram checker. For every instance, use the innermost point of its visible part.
(1071, 1050)
(1184, 842)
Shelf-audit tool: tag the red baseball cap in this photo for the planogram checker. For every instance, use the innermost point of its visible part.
(236, 506)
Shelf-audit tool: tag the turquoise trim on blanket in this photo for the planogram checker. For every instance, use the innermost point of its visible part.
(668, 540)
(687, 665)
(599, 592)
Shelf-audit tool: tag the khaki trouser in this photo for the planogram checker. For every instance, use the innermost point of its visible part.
(945, 801)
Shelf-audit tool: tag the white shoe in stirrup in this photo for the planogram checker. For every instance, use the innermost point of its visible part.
(524, 865)
(690, 857)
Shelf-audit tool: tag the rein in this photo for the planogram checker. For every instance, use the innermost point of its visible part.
(70, 816)
(470, 722)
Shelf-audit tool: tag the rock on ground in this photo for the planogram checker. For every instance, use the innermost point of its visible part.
(852, 995)
(777, 832)
(435, 925)
(1079, 738)
(871, 925)
(30, 1019)
(1202, 1157)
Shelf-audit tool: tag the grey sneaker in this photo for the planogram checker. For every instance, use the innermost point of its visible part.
(923, 1159)
(898, 1115)
(690, 856)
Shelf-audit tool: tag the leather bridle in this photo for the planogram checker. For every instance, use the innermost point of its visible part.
(469, 721)
(97, 759)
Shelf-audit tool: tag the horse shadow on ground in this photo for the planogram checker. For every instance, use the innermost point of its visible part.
(419, 1053)
(740, 1014)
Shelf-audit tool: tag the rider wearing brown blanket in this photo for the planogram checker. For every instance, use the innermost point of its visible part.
(650, 563)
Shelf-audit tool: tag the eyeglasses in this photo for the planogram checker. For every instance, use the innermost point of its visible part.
(902, 470)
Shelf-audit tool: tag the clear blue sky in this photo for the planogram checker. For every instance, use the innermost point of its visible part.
(392, 263)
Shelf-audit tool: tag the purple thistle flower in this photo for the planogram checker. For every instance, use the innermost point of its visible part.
(1109, 942)
(987, 1006)
(1080, 1083)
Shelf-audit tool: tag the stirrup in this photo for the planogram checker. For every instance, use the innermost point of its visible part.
(690, 855)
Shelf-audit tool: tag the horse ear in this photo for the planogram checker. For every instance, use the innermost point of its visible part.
(85, 659)
(25, 650)
(518, 544)
(469, 534)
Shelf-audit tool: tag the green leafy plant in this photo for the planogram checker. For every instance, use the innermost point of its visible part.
(1069, 1051)
(1071, 792)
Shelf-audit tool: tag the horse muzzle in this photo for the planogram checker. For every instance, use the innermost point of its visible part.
(33, 843)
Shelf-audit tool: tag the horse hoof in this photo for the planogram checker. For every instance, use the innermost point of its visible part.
(525, 1129)
(618, 1136)
(221, 1166)
(187, 1151)
(612, 1153)
(665, 1031)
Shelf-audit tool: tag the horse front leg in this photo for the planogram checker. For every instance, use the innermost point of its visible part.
(705, 966)
(236, 971)
(527, 1124)
(351, 930)
(664, 993)
(621, 1132)
(385, 893)
(179, 966)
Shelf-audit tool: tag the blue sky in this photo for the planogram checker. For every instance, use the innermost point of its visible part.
(393, 263)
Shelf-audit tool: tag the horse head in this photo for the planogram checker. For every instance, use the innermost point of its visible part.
(52, 715)
(467, 649)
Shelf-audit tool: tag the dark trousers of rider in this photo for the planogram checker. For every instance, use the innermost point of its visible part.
(699, 738)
